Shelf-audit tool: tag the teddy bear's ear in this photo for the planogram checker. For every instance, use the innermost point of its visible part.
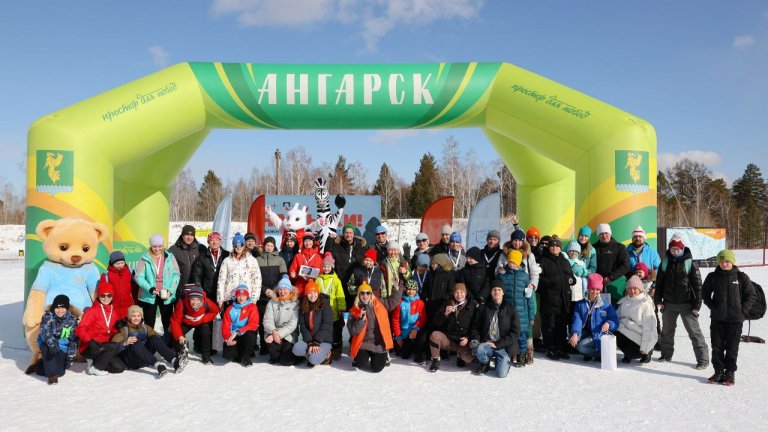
(44, 228)
(101, 231)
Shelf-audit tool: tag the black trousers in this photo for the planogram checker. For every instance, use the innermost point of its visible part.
(202, 334)
(107, 358)
(150, 313)
(281, 353)
(376, 361)
(139, 355)
(725, 344)
(245, 346)
(626, 346)
(414, 346)
(338, 331)
(262, 307)
(54, 362)
(553, 328)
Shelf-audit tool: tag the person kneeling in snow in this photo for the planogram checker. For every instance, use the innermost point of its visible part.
(368, 325)
(316, 326)
(241, 320)
(496, 333)
(193, 313)
(138, 342)
(281, 318)
(57, 340)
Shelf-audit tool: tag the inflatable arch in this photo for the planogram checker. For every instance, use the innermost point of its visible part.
(113, 158)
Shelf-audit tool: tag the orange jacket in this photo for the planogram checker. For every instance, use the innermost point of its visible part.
(382, 322)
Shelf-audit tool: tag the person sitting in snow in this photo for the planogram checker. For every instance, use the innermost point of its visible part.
(138, 343)
(95, 332)
(57, 340)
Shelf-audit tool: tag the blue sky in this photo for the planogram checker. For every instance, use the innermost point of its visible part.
(696, 70)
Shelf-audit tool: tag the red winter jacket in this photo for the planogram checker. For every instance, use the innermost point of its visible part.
(122, 289)
(307, 257)
(417, 307)
(249, 312)
(184, 314)
(96, 324)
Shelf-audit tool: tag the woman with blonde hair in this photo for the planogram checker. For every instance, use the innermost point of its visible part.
(370, 329)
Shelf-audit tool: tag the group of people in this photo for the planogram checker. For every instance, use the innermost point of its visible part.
(494, 305)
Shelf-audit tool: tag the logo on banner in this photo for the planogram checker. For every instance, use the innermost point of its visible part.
(632, 171)
(55, 171)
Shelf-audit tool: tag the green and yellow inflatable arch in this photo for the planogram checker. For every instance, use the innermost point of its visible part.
(113, 158)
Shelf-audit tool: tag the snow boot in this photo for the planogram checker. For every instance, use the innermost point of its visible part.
(181, 361)
(33, 367)
(246, 361)
(96, 372)
(646, 358)
(53, 380)
(717, 378)
(460, 363)
(161, 370)
(336, 354)
(729, 378)
(435, 366)
(206, 359)
(482, 369)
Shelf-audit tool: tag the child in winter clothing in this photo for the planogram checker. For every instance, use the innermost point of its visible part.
(369, 273)
(121, 278)
(57, 340)
(330, 285)
(95, 332)
(515, 283)
(309, 256)
(579, 270)
(316, 327)
(194, 312)
(138, 342)
(408, 323)
(281, 320)
(238, 328)
(591, 318)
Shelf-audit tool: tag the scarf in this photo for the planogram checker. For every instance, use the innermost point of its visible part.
(234, 315)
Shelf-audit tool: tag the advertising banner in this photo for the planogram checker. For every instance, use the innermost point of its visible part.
(704, 243)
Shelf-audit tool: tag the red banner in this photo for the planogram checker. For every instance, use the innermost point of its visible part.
(435, 216)
(256, 219)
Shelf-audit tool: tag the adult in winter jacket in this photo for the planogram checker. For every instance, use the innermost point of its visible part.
(368, 325)
(330, 285)
(394, 269)
(207, 267)
(380, 246)
(611, 256)
(289, 247)
(452, 322)
(409, 322)
(474, 276)
(439, 284)
(57, 340)
(272, 267)
(186, 250)
(281, 319)
(587, 251)
(95, 332)
(517, 292)
(637, 324)
(456, 251)
(238, 328)
(369, 273)
(157, 275)
(641, 252)
(120, 277)
(137, 344)
(729, 294)
(490, 255)
(347, 251)
(315, 326)
(533, 237)
(422, 248)
(591, 318)
(195, 312)
(678, 293)
(239, 268)
(555, 287)
(309, 256)
(495, 333)
(443, 246)
(251, 245)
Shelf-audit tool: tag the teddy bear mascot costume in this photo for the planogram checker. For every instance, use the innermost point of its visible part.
(70, 244)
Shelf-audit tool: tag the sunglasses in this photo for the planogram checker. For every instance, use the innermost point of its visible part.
(378, 234)
(421, 241)
(365, 293)
(105, 295)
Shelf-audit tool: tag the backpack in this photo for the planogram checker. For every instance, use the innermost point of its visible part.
(665, 262)
(757, 310)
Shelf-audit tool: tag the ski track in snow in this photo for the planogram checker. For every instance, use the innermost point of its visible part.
(549, 395)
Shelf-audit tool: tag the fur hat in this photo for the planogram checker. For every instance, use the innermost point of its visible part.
(726, 255)
(493, 233)
(60, 301)
(238, 240)
(585, 230)
(242, 288)
(328, 259)
(370, 253)
(270, 239)
(284, 283)
(475, 253)
(116, 256)
(644, 268)
(634, 282)
(455, 238)
(574, 246)
(515, 256)
(639, 231)
(446, 229)
(135, 309)
(519, 235)
(187, 229)
(533, 232)
(156, 240)
(595, 281)
(422, 260)
(603, 228)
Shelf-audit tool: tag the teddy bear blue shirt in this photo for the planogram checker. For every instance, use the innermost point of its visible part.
(77, 283)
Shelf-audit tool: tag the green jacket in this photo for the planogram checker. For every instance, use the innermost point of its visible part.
(330, 285)
(146, 275)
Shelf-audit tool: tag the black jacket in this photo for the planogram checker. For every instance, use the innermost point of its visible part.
(555, 282)
(458, 323)
(490, 260)
(474, 277)
(728, 294)
(438, 286)
(439, 248)
(205, 273)
(509, 326)
(272, 267)
(612, 259)
(186, 255)
(347, 257)
(322, 322)
(676, 286)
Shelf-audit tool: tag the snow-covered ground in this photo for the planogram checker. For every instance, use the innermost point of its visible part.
(549, 395)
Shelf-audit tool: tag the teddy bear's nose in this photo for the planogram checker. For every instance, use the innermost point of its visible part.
(76, 259)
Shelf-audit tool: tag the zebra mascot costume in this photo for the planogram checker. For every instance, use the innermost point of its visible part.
(326, 222)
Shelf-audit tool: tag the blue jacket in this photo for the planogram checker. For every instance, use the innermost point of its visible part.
(408, 319)
(601, 314)
(515, 282)
(648, 256)
(59, 333)
(146, 274)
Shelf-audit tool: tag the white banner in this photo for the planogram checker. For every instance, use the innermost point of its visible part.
(484, 218)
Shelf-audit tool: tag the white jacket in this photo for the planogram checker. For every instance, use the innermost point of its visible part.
(638, 322)
(235, 272)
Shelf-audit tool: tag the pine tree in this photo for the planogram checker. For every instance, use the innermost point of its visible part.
(208, 197)
(340, 183)
(386, 187)
(751, 195)
(424, 187)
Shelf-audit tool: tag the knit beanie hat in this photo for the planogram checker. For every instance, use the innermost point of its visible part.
(603, 228)
(347, 226)
(634, 282)
(585, 230)
(270, 239)
(393, 245)
(116, 256)
(156, 240)
(249, 236)
(309, 235)
(370, 253)
(520, 235)
(422, 236)
(497, 284)
(411, 284)
(311, 286)
(422, 260)
(242, 289)
(188, 229)
(455, 238)
(105, 288)
(328, 259)
(533, 232)
(60, 301)
(677, 242)
(493, 233)
(460, 287)
(515, 256)
(284, 283)
(475, 253)
(196, 291)
(214, 235)
(238, 240)
(135, 309)
(364, 287)
(555, 242)
(446, 229)
(639, 231)
(726, 255)
(644, 268)
(574, 246)
(595, 281)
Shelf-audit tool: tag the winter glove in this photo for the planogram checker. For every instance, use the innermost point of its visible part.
(95, 348)
(340, 201)
(406, 251)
